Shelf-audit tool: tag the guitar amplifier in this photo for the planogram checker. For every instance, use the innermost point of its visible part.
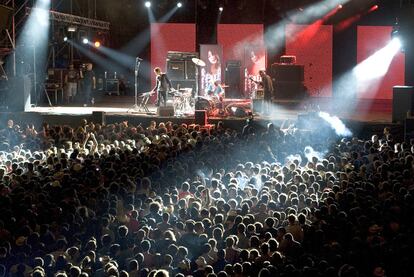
(176, 70)
(286, 59)
(288, 73)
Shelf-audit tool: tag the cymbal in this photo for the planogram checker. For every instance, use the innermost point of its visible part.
(198, 62)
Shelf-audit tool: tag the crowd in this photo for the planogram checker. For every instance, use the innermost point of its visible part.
(180, 200)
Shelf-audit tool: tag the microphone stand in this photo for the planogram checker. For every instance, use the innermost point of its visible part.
(135, 107)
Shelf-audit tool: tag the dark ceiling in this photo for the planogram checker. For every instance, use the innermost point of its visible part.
(129, 17)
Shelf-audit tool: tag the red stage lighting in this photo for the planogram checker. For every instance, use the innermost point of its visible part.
(97, 44)
(374, 8)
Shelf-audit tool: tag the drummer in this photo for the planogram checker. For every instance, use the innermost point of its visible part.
(215, 89)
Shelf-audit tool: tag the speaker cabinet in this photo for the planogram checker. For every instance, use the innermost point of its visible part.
(19, 99)
(288, 73)
(233, 80)
(176, 70)
(289, 90)
(98, 117)
(200, 117)
(166, 111)
(402, 102)
(190, 70)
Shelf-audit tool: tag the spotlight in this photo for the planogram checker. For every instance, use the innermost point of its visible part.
(97, 44)
(221, 8)
(148, 4)
(65, 39)
(179, 5)
(340, 7)
(72, 29)
(85, 41)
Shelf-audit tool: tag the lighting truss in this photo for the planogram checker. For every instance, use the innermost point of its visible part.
(76, 20)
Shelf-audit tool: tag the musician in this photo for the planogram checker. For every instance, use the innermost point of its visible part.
(215, 89)
(89, 84)
(71, 84)
(162, 86)
(267, 85)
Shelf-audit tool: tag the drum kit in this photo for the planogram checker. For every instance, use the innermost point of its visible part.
(184, 102)
(183, 99)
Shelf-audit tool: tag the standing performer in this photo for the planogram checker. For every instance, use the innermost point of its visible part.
(267, 90)
(89, 84)
(162, 86)
(71, 84)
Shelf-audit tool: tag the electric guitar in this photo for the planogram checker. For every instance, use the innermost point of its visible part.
(256, 82)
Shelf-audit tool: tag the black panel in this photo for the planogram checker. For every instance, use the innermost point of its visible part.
(19, 96)
(288, 73)
(289, 90)
(233, 80)
(402, 102)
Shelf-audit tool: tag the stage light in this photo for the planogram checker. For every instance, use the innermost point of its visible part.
(65, 39)
(221, 8)
(374, 8)
(340, 7)
(377, 65)
(148, 4)
(97, 44)
(179, 5)
(71, 29)
(85, 41)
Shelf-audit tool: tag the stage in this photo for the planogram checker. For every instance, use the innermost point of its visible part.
(369, 111)
(362, 115)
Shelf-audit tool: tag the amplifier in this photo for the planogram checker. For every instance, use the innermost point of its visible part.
(289, 90)
(287, 59)
(176, 55)
(233, 63)
(176, 70)
(288, 73)
(112, 86)
(200, 117)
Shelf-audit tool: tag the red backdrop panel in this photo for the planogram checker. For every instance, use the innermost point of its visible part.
(370, 40)
(312, 46)
(170, 37)
(234, 38)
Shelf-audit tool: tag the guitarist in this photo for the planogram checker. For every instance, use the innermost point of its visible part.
(162, 86)
(267, 85)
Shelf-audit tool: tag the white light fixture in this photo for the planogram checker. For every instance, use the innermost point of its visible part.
(85, 41)
(148, 4)
(179, 5)
(221, 8)
(72, 29)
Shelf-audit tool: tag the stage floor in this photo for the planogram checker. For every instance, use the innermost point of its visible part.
(377, 111)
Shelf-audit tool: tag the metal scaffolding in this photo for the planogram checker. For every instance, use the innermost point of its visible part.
(76, 20)
(21, 10)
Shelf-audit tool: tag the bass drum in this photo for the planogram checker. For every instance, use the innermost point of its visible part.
(202, 103)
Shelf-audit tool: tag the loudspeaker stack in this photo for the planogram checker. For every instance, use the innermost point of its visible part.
(288, 81)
